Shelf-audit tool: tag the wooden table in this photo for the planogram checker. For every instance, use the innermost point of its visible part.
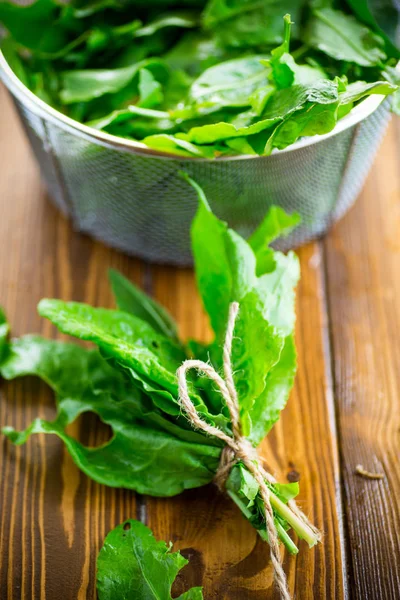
(344, 409)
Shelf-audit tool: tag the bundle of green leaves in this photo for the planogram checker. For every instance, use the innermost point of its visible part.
(130, 380)
(205, 78)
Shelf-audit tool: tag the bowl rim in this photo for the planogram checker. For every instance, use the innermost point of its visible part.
(45, 111)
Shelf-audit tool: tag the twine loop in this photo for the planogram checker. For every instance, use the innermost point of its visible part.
(237, 447)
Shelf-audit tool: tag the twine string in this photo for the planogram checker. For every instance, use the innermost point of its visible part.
(237, 447)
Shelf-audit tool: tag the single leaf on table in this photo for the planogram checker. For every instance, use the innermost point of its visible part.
(132, 564)
(131, 299)
(344, 38)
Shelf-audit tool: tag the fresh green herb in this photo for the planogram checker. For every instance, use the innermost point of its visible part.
(132, 564)
(130, 381)
(201, 78)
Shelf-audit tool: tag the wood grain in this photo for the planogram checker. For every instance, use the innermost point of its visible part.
(363, 291)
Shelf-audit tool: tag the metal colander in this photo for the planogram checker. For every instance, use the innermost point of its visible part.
(133, 198)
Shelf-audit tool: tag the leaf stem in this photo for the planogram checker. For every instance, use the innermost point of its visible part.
(286, 539)
(302, 530)
(284, 511)
(239, 503)
(287, 29)
(283, 535)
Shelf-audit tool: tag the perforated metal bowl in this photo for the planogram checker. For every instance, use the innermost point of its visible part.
(133, 198)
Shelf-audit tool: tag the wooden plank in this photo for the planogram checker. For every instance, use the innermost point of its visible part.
(226, 555)
(363, 291)
(53, 518)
